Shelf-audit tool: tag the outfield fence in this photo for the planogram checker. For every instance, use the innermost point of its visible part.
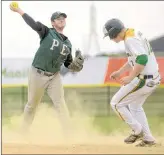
(93, 100)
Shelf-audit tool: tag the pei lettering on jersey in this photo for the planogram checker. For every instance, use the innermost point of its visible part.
(64, 50)
(54, 44)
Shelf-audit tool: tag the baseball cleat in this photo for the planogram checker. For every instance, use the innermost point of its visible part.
(145, 143)
(133, 138)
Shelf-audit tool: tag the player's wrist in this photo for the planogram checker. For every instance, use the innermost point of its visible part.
(21, 12)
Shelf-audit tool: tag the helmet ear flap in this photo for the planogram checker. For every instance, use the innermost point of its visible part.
(105, 32)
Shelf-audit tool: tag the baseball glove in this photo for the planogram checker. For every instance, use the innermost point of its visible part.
(77, 63)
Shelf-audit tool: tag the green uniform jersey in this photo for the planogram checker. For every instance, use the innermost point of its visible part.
(54, 50)
(52, 53)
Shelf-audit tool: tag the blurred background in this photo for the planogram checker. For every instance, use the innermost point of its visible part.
(90, 90)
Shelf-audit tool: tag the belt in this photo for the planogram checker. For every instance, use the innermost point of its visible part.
(145, 76)
(42, 72)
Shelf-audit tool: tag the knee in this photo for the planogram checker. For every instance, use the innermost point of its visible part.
(29, 107)
(113, 102)
(59, 104)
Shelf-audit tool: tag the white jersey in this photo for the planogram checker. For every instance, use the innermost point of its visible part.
(136, 44)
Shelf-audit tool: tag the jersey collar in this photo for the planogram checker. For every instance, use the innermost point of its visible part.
(129, 33)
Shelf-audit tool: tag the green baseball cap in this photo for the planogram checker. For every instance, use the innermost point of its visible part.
(57, 14)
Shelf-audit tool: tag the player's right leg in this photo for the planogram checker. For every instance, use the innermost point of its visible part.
(36, 87)
(119, 104)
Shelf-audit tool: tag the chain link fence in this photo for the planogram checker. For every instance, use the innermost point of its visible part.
(93, 100)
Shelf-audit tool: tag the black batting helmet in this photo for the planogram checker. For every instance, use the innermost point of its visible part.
(112, 28)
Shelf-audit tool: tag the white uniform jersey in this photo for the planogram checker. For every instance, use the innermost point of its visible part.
(136, 44)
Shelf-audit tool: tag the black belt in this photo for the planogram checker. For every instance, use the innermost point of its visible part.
(145, 76)
(42, 72)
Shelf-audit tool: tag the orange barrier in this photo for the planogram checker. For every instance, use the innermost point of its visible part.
(160, 61)
(115, 63)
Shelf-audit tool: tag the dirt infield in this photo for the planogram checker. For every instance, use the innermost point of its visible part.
(46, 137)
(78, 149)
(82, 144)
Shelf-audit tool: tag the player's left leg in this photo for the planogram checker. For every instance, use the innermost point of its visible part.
(138, 112)
(56, 93)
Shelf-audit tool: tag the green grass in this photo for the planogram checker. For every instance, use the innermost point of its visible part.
(113, 124)
(93, 102)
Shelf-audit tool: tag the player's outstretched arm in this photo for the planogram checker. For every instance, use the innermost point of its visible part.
(15, 8)
(41, 29)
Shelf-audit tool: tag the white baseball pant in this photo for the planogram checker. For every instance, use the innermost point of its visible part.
(128, 101)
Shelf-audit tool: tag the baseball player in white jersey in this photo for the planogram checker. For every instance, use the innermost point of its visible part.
(142, 80)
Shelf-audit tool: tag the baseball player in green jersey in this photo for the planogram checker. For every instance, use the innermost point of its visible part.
(143, 79)
(54, 51)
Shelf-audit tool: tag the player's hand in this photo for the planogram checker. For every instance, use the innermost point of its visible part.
(16, 8)
(78, 54)
(126, 80)
(115, 75)
(79, 58)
